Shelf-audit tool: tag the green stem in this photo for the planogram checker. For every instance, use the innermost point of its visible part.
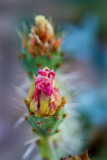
(46, 149)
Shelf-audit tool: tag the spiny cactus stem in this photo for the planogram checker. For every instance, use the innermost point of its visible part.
(46, 148)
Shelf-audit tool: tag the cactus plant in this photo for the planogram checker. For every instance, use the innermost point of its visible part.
(40, 47)
(45, 106)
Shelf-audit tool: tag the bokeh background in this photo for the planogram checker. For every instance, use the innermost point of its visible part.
(84, 24)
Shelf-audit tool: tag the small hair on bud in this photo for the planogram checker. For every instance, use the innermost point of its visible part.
(38, 123)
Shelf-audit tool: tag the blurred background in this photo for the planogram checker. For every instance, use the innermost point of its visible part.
(84, 24)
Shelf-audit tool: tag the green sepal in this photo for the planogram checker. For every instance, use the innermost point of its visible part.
(51, 123)
(30, 64)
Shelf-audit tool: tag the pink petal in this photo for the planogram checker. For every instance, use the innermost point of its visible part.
(51, 74)
(42, 72)
(48, 90)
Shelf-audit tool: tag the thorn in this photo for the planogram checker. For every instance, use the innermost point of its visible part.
(57, 116)
(46, 116)
(28, 73)
(25, 118)
(33, 130)
(58, 65)
(65, 115)
(21, 56)
(30, 113)
(39, 66)
(50, 130)
(26, 102)
(57, 131)
(38, 123)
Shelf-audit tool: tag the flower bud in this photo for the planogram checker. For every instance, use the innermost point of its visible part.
(42, 40)
(44, 28)
(43, 96)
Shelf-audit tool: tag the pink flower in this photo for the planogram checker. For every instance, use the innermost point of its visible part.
(44, 97)
(44, 82)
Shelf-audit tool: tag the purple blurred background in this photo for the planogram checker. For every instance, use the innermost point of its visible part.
(12, 12)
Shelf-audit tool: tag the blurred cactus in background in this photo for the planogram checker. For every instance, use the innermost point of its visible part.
(84, 35)
(40, 46)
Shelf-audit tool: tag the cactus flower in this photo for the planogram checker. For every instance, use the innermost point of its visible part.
(44, 97)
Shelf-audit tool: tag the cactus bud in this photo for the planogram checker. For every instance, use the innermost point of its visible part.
(42, 37)
(44, 97)
(44, 28)
(45, 102)
(40, 42)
